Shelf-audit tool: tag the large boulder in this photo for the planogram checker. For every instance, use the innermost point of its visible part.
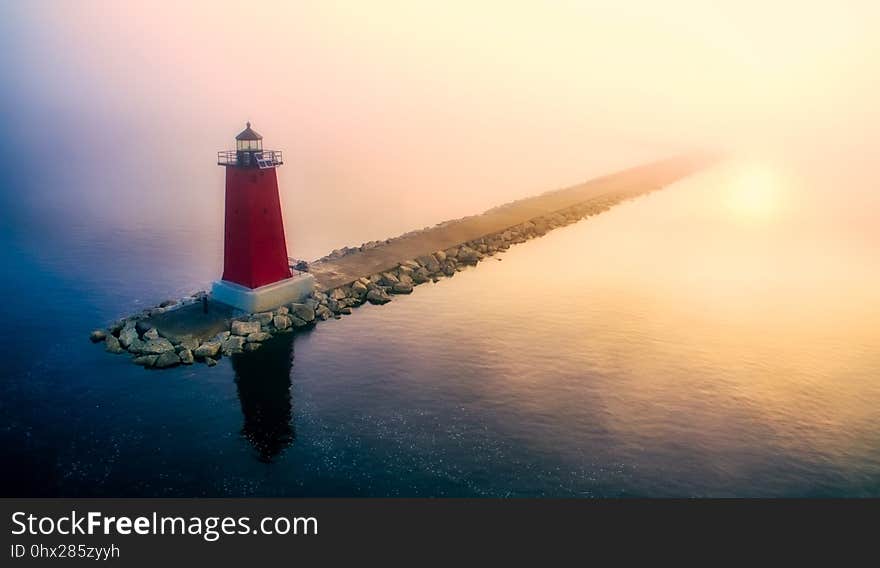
(207, 349)
(421, 276)
(97, 336)
(111, 344)
(136, 345)
(338, 294)
(324, 313)
(157, 347)
(298, 322)
(127, 335)
(257, 337)
(388, 279)
(378, 296)
(467, 255)
(151, 333)
(263, 318)
(145, 360)
(245, 328)
(303, 311)
(186, 357)
(281, 322)
(359, 290)
(189, 342)
(402, 288)
(233, 344)
(429, 262)
(168, 359)
(440, 256)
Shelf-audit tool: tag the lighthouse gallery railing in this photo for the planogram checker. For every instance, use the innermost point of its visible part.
(263, 158)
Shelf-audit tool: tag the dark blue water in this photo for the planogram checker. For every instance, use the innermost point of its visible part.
(699, 341)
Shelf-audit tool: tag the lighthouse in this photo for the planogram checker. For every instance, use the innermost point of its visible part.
(256, 272)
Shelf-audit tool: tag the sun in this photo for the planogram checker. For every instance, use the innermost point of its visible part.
(754, 193)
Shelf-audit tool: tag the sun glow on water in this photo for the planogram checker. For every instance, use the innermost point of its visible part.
(755, 194)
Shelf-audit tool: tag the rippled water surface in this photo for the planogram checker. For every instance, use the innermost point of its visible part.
(718, 337)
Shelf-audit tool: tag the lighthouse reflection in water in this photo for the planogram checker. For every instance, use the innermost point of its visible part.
(263, 382)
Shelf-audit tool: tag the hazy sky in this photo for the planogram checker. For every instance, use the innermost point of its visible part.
(396, 115)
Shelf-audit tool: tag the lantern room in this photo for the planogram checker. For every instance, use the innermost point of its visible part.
(249, 140)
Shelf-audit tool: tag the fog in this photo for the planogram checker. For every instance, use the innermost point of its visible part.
(398, 115)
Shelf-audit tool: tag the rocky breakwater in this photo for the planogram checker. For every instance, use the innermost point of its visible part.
(147, 346)
(380, 287)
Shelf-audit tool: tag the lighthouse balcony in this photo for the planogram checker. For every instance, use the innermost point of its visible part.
(245, 159)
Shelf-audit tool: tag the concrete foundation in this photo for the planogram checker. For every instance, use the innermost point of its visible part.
(265, 298)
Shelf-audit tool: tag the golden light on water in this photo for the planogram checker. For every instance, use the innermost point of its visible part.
(755, 193)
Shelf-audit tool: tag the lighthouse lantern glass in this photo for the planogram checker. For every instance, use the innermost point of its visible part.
(248, 145)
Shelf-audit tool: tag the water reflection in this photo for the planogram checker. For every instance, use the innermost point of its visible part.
(263, 382)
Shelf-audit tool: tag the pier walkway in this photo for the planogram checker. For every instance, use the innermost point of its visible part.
(332, 273)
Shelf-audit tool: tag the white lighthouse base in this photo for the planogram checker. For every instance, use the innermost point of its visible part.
(265, 298)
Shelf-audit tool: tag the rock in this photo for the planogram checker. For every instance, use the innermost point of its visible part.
(345, 311)
(402, 288)
(145, 360)
(207, 349)
(189, 342)
(136, 346)
(282, 321)
(467, 255)
(302, 266)
(282, 311)
(388, 279)
(324, 313)
(251, 346)
(257, 337)
(128, 335)
(246, 327)
(111, 345)
(421, 276)
(167, 303)
(304, 311)
(298, 322)
(264, 318)
(338, 294)
(142, 327)
(97, 336)
(378, 296)
(234, 344)
(429, 262)
(210, 362)
(115, 327)
(405, 279)
(440, 256)
(186, 357)
(359, 289)
(168, 359)
(222, 336)
(411, 264)
(157, 347)
(151, 333)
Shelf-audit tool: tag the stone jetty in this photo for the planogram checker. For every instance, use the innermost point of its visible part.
(183, 332)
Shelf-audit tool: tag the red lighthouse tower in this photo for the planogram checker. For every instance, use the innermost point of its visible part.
(256, 272)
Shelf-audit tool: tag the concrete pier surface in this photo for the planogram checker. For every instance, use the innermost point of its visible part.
(331, 273)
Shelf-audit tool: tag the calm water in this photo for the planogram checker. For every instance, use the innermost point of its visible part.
(716, 338)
